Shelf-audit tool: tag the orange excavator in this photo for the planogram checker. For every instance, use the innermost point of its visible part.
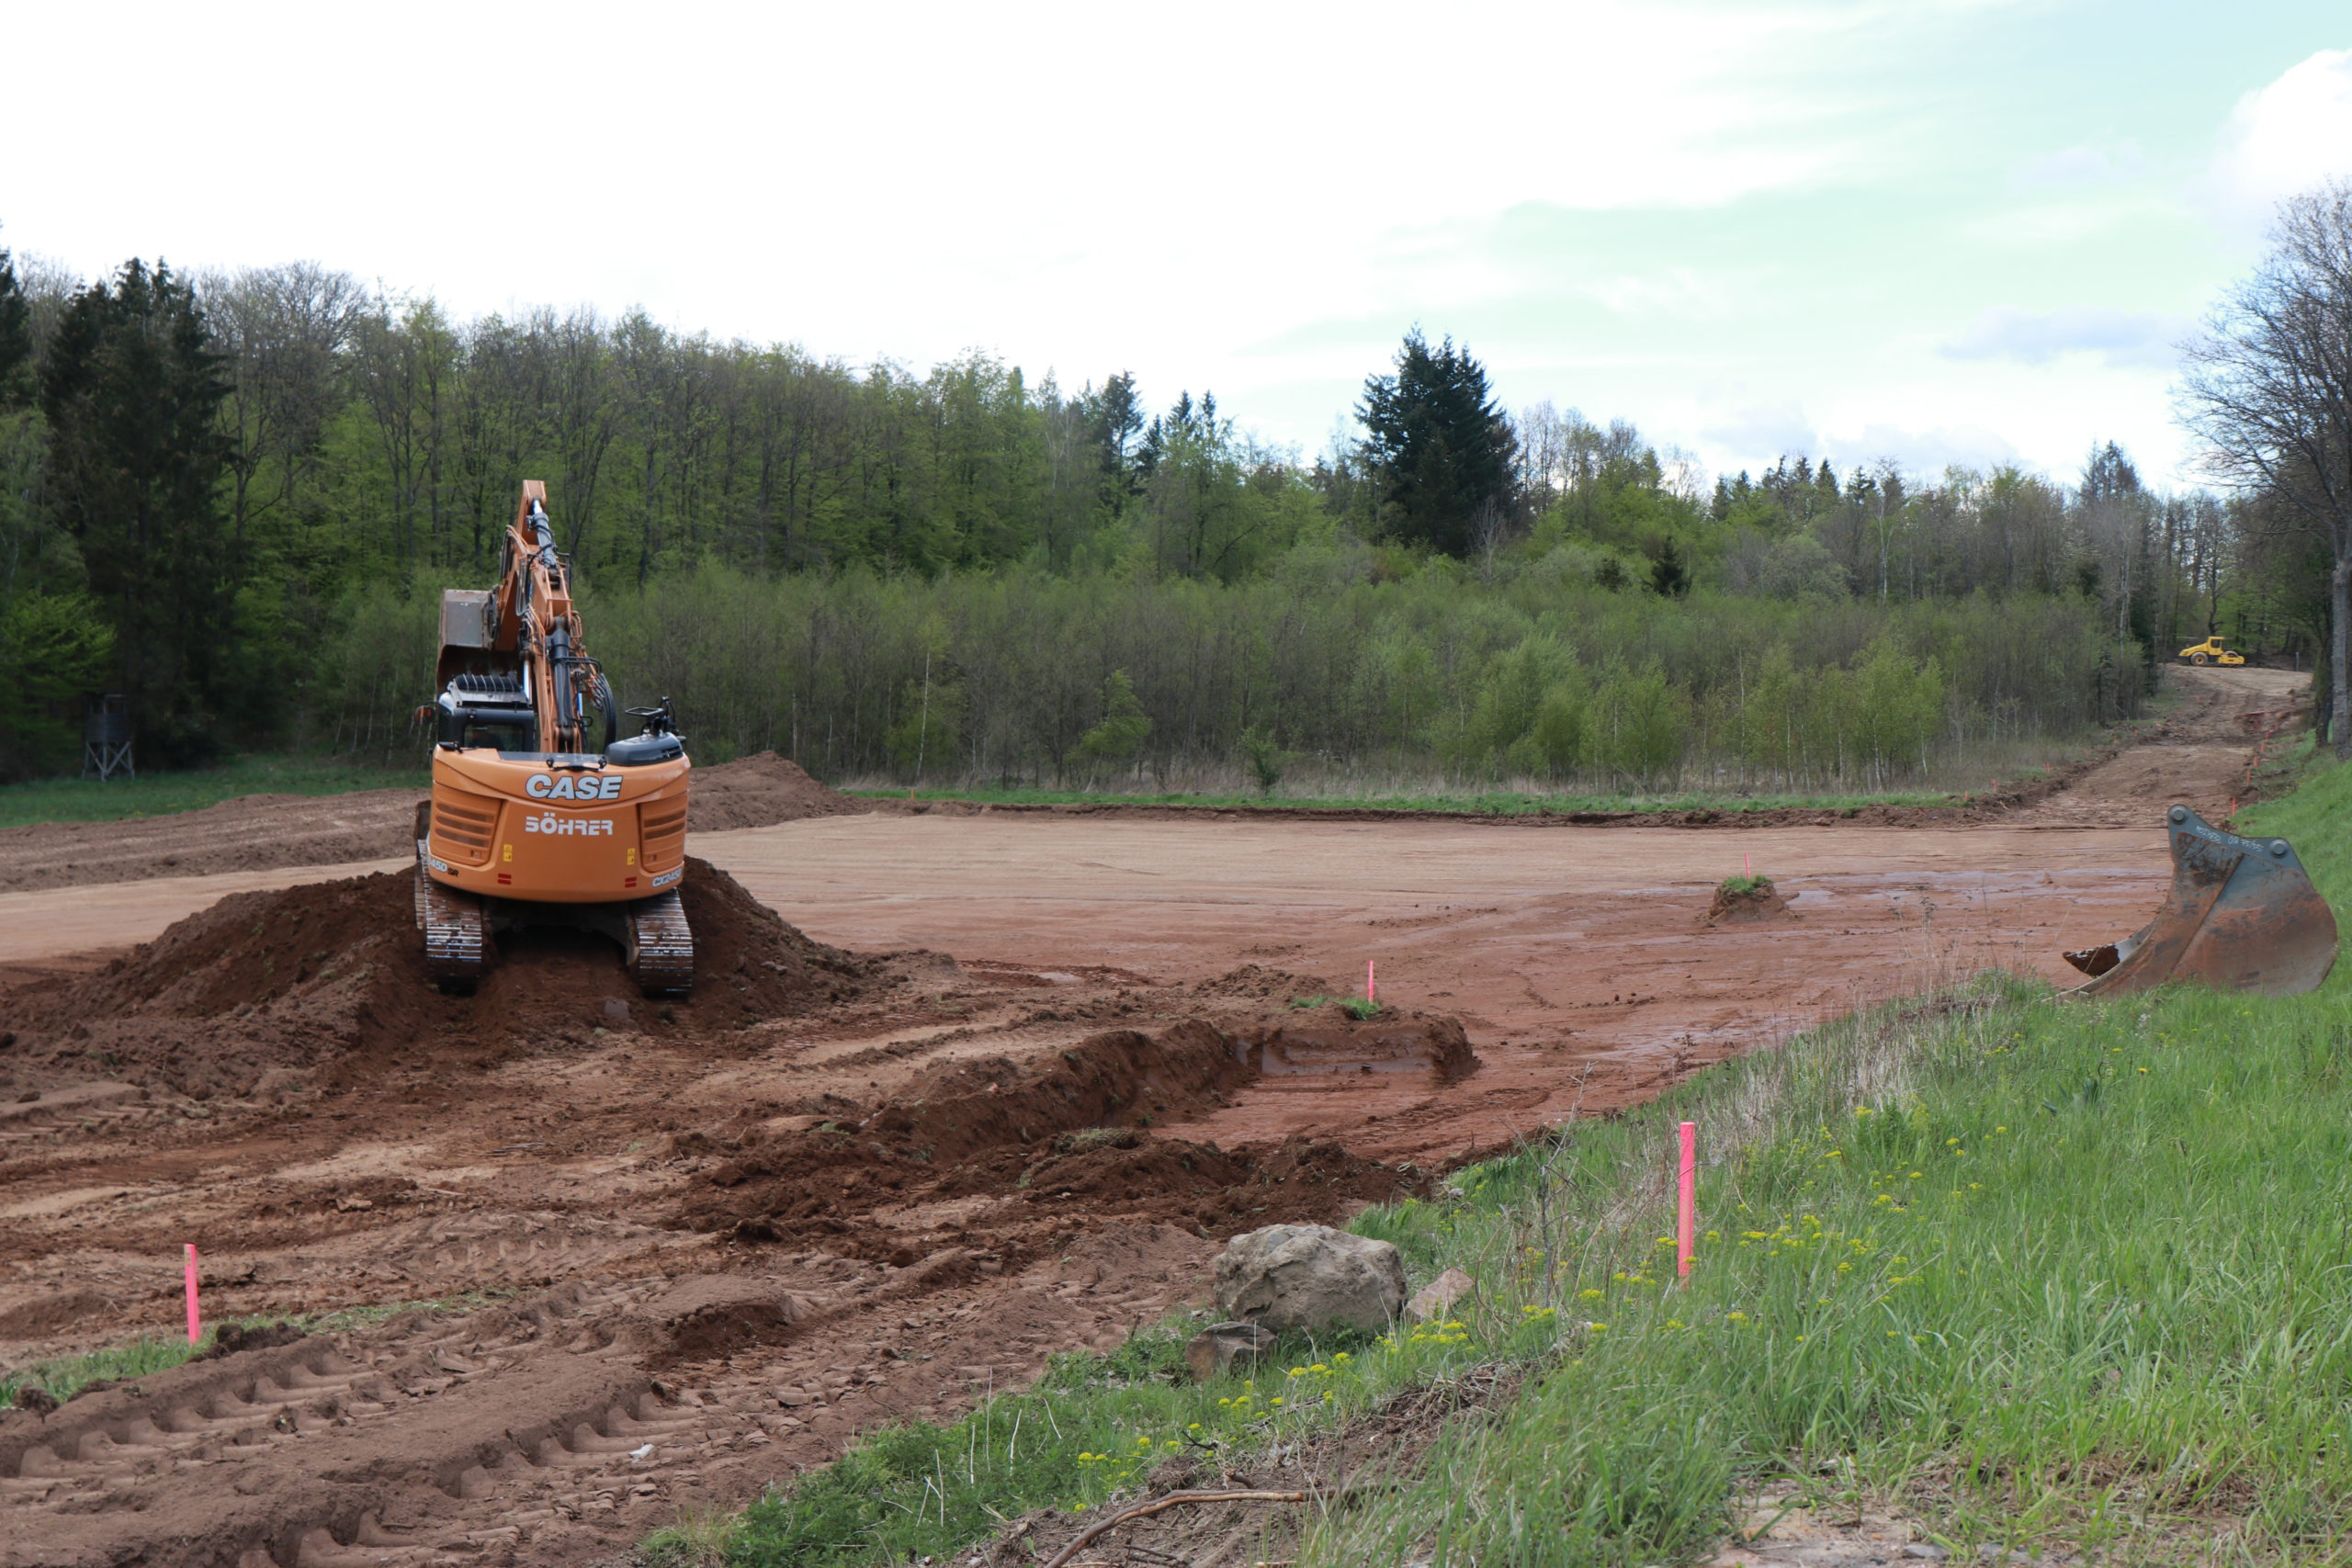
(527, 826)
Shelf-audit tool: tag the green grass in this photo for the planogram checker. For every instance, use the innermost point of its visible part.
(66, 1376)
(1092, 1430)
(1357, 1007)
(1497, 803)
(2055, 1272)
(2037, 1271)
(161, 795)
(1744, 886)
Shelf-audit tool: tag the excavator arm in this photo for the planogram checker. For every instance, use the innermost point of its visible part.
(523, 673)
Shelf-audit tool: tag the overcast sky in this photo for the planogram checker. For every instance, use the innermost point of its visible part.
(1935, 230)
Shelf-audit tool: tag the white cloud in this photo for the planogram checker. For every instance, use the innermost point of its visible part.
(2120, 338)
(1079, 186)
(1757, 436)
(2072, 167)
(1928, 453)
(2288, 136)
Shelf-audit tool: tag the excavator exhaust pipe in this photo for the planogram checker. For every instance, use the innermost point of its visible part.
(2241, 916)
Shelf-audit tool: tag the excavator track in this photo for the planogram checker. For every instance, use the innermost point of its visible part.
(660, 945)
(457, 934)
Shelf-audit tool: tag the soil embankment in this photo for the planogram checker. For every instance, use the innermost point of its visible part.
(327, 979)
(257, 831)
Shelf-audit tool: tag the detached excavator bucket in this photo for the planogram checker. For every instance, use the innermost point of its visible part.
(2241, 916)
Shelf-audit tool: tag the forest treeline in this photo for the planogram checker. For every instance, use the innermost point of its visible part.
(1319, 665)
(232, 497)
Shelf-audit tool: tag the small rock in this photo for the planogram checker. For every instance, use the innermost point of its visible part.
(1436, 1299)
(1216, 1349)
(1311, 1277)
(793, 1398)
(1924, 1552)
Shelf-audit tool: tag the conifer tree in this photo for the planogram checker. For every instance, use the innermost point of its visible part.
(15, 339)
(1668, 576)
(1440, 445)
(131, 391)
(1117, 421)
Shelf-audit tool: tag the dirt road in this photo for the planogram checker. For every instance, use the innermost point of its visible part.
(841, 1184)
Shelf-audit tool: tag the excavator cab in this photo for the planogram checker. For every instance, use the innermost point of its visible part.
(530, 824)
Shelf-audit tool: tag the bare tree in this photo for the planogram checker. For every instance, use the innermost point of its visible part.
(284, 331)
(2269, 388)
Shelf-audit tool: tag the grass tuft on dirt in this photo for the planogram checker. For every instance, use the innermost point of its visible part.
(66, 1376)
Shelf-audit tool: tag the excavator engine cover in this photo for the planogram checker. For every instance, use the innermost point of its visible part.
(2241, 916)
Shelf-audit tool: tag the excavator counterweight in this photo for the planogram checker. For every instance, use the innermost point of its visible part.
(529, 825)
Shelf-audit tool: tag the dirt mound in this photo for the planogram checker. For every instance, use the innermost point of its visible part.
(1256, 983)
(1330, 1039)
(992, 1128)
(330, 974)
(1761, 902)
(251, 832)
(758, 791)
(1217, 1191)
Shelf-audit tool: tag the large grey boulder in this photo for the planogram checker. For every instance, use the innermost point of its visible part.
(1311, 1277)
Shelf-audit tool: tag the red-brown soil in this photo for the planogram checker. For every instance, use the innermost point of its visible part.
(328, 978)
(759, 791)
(836, 1190)
(255, 832)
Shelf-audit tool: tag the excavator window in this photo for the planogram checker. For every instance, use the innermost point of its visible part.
(505, 737)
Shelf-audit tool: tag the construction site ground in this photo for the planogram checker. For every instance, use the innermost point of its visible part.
(1000, 1088)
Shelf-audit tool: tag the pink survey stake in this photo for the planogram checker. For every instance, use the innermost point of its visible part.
(1689, 1199)
(1371, 980)
(194, 1322)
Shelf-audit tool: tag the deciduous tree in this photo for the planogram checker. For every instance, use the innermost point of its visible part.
(2269, 388)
